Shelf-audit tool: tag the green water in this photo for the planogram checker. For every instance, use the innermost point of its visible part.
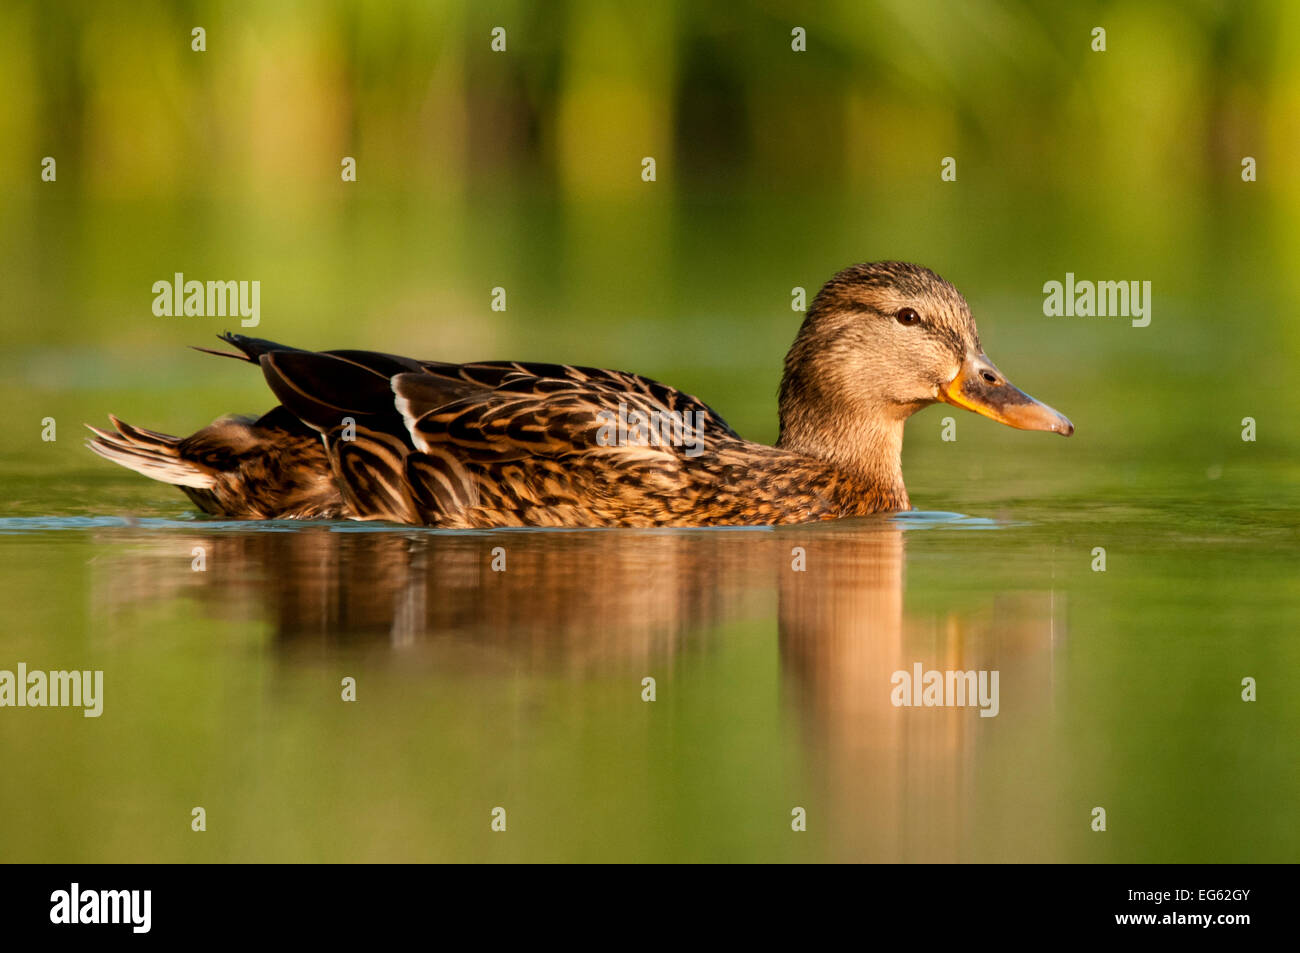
(523, 689)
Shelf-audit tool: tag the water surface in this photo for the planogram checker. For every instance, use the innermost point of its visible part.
(523, 688)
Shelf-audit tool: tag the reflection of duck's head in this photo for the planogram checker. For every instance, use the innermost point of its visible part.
(880, 342)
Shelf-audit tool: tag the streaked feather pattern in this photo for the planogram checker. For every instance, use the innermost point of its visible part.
(374, 436)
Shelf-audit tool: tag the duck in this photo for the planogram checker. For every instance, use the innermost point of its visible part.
(367, 435)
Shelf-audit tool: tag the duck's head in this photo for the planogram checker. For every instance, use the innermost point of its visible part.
(881, 341)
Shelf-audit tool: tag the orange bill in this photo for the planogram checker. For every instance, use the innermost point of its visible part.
(979, 386)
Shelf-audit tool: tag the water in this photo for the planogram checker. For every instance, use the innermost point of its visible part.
(523, 689)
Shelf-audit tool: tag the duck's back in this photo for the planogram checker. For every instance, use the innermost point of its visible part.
(369, 435)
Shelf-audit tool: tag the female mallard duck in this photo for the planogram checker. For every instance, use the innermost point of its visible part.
(372, 436)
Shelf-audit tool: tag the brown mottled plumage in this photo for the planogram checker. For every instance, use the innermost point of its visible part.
(364, 435)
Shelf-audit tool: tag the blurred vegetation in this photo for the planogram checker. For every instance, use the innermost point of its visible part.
(586, 88)
(521, 169)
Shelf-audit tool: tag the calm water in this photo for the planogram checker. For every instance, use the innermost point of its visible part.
(522, 689)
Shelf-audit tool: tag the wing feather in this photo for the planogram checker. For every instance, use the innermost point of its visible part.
(491, 443)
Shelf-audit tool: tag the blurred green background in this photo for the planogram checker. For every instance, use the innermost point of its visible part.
(522, 170)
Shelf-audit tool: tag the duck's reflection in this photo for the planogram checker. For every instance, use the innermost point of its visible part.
(901, 781)
(893, 782)
(589, 599)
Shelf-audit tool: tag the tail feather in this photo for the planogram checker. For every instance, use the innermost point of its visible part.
(250, 349)
(150, 454)
(271, 467)
(138, 435)
(213, 350)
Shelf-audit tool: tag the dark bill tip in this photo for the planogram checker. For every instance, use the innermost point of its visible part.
(981, 388)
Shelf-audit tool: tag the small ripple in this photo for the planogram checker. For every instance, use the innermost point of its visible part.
(46, 524)
(929, 519)
(911, 520)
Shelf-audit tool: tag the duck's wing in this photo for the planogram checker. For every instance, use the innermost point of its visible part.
(491, 443)
(462, 379)
(496, 374)
(550, 451)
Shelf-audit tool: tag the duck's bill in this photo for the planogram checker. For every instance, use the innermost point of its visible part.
(979, 386)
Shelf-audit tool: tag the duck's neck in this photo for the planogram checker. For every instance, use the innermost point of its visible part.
(868, 446)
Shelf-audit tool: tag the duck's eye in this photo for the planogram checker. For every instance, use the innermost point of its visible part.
(908, 316)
